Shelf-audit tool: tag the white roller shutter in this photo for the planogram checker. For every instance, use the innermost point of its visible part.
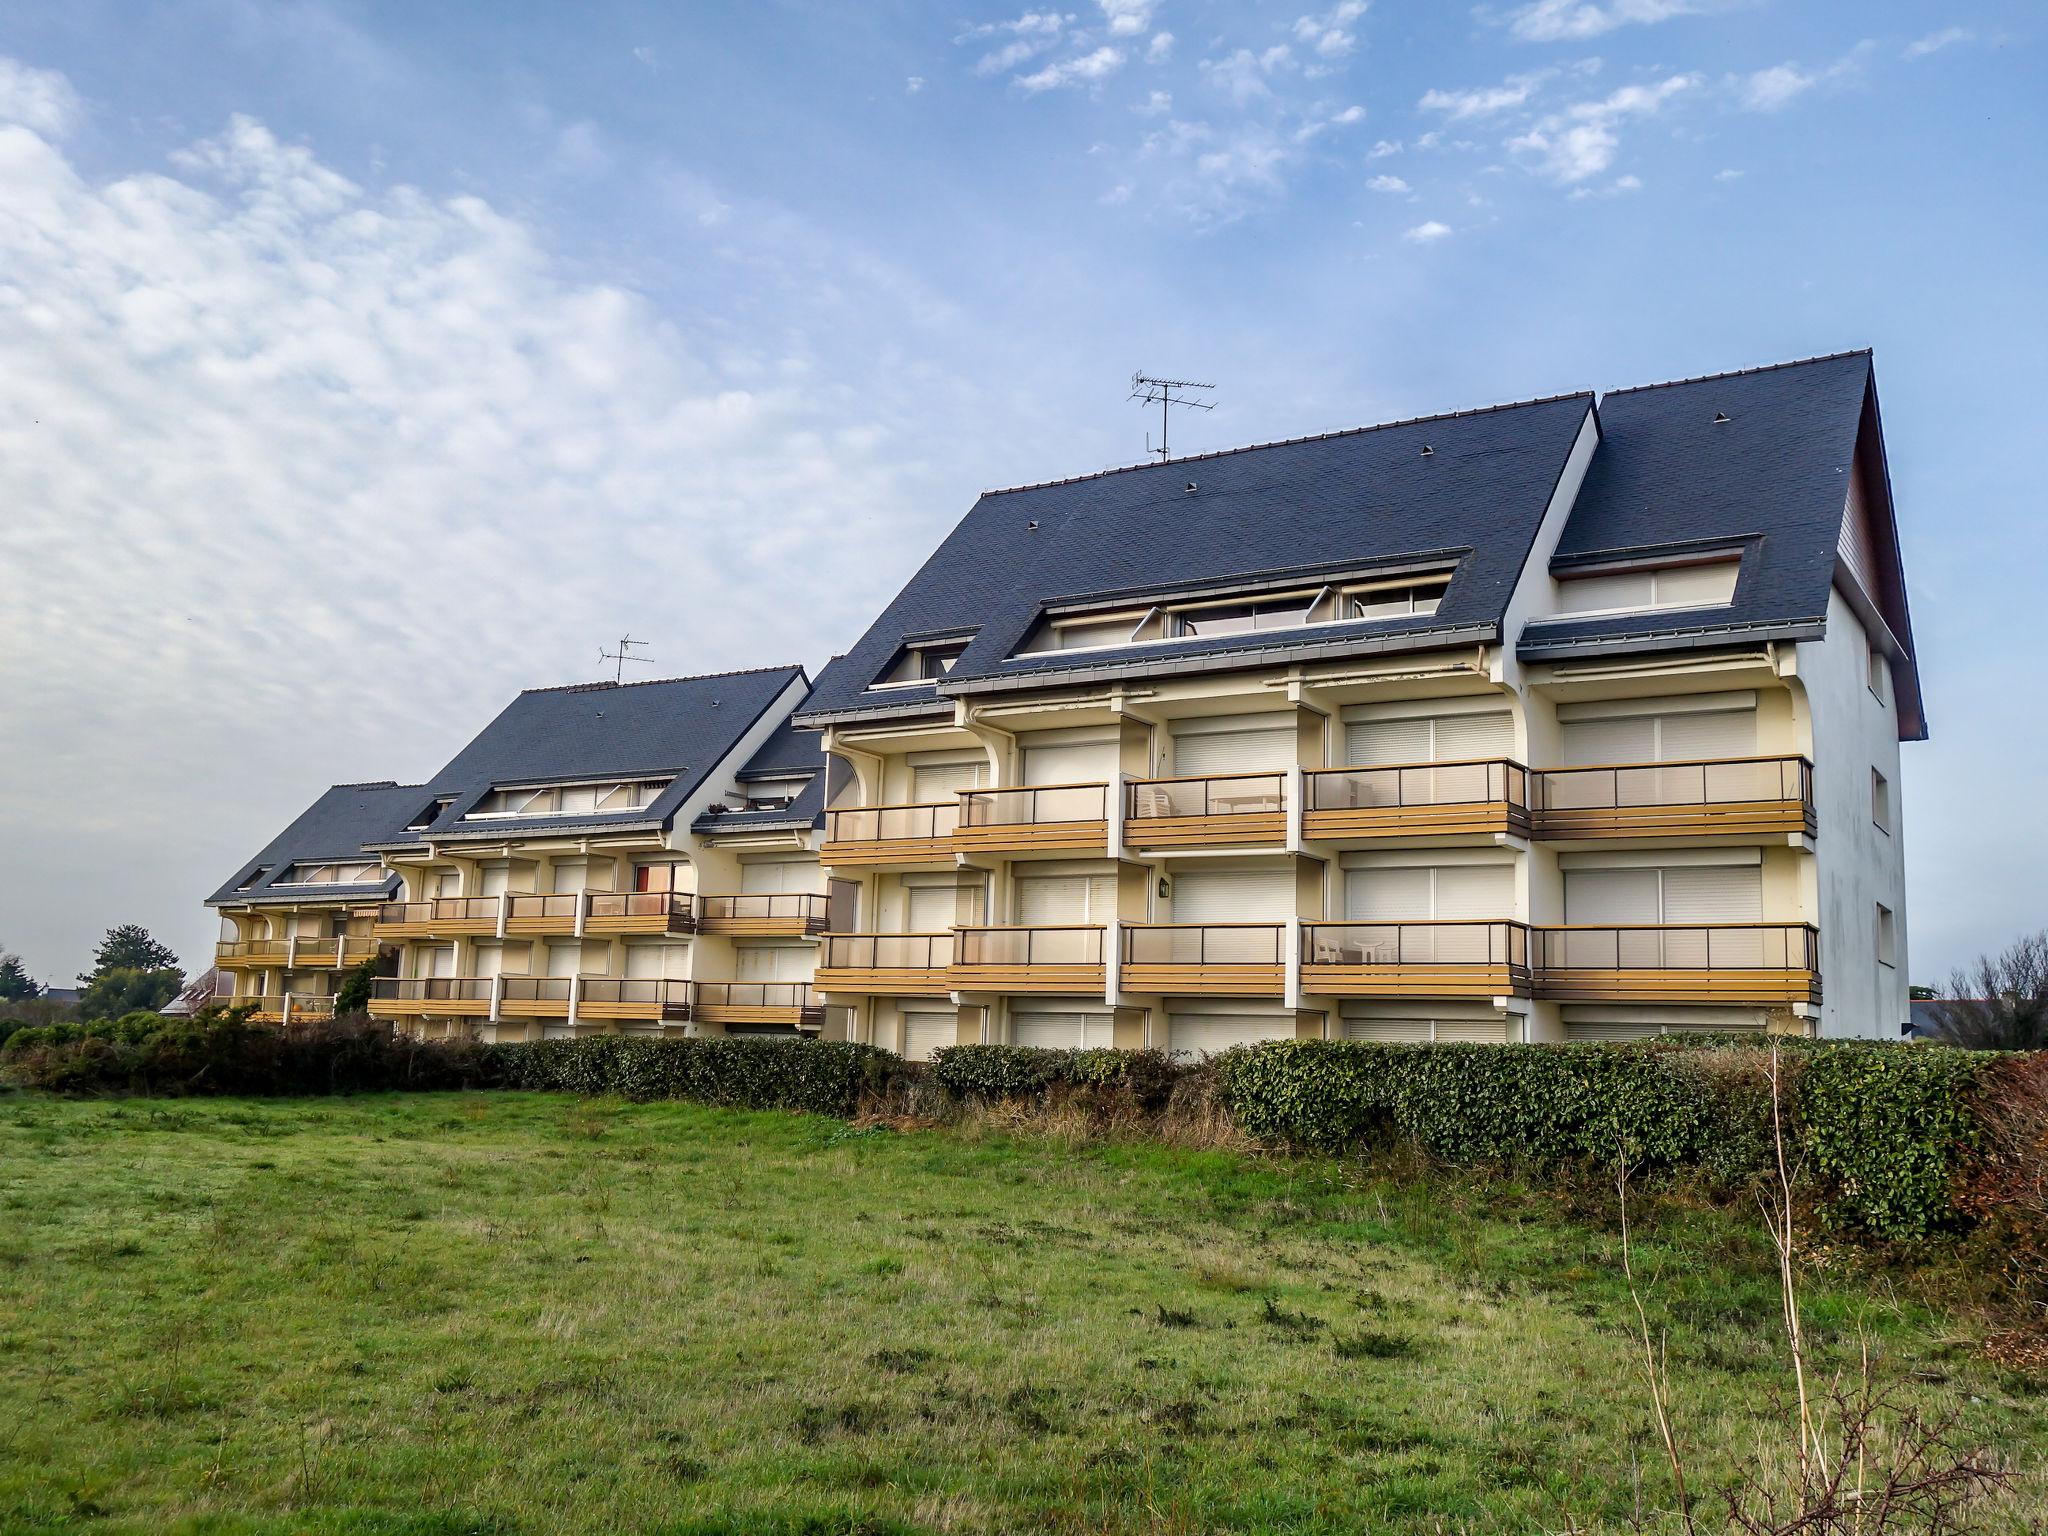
(1386, 895)
(931, 908)
(567, 959)
(1611, 896)
(774, 962)
(1600, 743)
(1714, 893)
(1708, 733)
(1260, 751)
(1234, 896)
(1059, 1031)
(1388, 1031)
(569, 876)
(1047, 900)
(1459, 737)
(1608, 1031)
(496, 880)
(1205, 1034)
(490, 959)
(1697, 586)
(924, 1033)
(935, 782)
(775, 877)
(1073, 763)
(1598, 594)
(651, 962)
(1380, 743)
(1474, 1031)
(1474, 891)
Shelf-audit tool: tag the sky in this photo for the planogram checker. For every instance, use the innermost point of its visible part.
(361, 363)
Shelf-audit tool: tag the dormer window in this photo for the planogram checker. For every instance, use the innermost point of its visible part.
(1206, 619)
(1638, 589)
(1400, 599)
(923, 662)
(597, 799)
(430, 814)
(255, 877)
(335, 872)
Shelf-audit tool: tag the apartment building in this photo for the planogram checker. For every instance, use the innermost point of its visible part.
(606, 857)
(302, 911)
(1571, 719)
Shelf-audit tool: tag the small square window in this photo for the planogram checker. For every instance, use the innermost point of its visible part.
(1879, 674)
(1881, 800)
(1887, 936)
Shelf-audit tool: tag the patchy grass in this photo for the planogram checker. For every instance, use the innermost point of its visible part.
(516, 1313)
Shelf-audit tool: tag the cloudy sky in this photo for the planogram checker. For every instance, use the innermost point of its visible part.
(363, 363)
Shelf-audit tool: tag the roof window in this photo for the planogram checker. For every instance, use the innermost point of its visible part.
(1640, 589)
(567, 799)
(924, 661)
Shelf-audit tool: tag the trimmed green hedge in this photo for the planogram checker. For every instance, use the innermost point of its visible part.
(825, 1077)
(1891, 1130)
(991, 1073)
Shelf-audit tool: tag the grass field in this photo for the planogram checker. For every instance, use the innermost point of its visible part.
(510, 1313)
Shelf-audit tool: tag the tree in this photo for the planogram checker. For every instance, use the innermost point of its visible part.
(353, 994)
(125, 989)
(15, 985)
(129, 948)
(2002, 1003)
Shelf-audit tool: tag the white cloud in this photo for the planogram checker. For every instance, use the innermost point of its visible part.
(1426, 234)
(1383, 149)
(914, 84)
(269, 439)
(1245, 75)
(1554, 21)
(1332, 34)
(1775, 88)
(1615, 188)
(1582, 140)
(1156, 104)
(646, 56)
(40, 99)
(1160, 49)
(1728, 175)
(1087, 69)
(1028, 36)
(1252, 158)
(1387, 184)
(1127, 18)
(1483, 101)
(1934, 42)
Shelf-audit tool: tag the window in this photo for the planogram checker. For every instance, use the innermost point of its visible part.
(1879, 675)
(255, 877)
(354, 873)
(1880, 800)
(1697, 585)
(1240, 618)
(1887, 936)
(1398, 600)
(657, 877)
(925, 662)
(568, 799)
(431, 814)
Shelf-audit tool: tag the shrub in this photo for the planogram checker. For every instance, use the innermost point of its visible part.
(992, 1074)
(2007, 1187)
(823, 1077)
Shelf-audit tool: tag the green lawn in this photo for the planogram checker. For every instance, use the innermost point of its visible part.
(502, 1313)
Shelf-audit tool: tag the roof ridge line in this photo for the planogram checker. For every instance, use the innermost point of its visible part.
(1289, 442)
(376, 784)
(1743, 373)
(656, 682)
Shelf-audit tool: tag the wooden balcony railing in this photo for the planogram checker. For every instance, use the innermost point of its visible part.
(794, 912)
(1739, 963)
(1217, 809)
(535, 996)
(1065, 818)
(659, 999)
(1415, 959)
(309, 1005)
(554, 914)
(1486, 795)
(886, 834)
(673, 912)
(1736, 796)
(1045, 959)
(251, 952)
(757, 1002)
(909, 964)
(442, 914)
(470, 995)
(1220, 959)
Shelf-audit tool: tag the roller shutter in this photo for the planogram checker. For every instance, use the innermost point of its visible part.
(1433, 739)
(774, 962)
(650, 962)
(931, 908)
(1387, 895)
(1205, 1034)
(924, 1033)
(1234, 896)
(1677, 736)
(1045, 900)
(1074, 763)
(1259, 751)
(935, 782)
(1388, 1031)
(1612, 896)
(1060, 1031)
(778, 876)
(1461, 892)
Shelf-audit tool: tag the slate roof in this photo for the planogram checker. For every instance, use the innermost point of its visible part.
(1344, 502)
(1756, 461)
(680, 728)
(336, 826)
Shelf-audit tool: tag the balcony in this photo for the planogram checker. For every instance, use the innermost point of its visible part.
(791, 915)
(308, 1005)
(535, 997)
(891, 964)
(1220, 811)
(885, 836)
(672, 913)
(413, 996)
(1486, 797)
(631, 999)
(1437, 959)
(542, 915)
(1745, 964)
(442, 918)
(264, 1007)
(1043, 818)
(1745, 797)
(251, 954)
(758, 1002)
(1205, 959)
(1046, 960)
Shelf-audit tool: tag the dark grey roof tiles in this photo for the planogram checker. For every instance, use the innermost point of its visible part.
(333, 827)
(788, 751)
(1349, 500)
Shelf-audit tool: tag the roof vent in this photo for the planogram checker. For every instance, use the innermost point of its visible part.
(1720, 418)
(1191, 487)
(1428, 452)
(1032, 526)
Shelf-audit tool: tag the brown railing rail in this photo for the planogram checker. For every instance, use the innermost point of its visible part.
(679, 907)
(1420, 942)
(534, 989)
(1216, 794)
(251, 949)
(1475, 780)
(888, 951)
(312, 1002)
(1705, 781)
(561, 907)
(1034, 805)
(806, 906)
(1205, 944)
(441, 909)
(1051, 944)
(1679, 947)
(671, 994)
(757, 994)
(432, 989)
(881, 823)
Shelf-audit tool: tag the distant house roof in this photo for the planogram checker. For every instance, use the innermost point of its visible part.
(1757, 463)
(1467, 489)
(197, 994)
(333, 828)
(679, 729)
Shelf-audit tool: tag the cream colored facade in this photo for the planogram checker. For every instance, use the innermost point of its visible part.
(283, 959)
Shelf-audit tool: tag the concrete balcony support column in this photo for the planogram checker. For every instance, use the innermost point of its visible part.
(1292, 963)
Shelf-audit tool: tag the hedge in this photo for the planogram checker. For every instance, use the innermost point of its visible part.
(822, 1077)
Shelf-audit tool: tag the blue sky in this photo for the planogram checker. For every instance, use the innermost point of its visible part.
(365, 363)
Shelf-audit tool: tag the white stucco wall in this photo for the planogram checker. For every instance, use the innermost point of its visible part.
(1858, 864)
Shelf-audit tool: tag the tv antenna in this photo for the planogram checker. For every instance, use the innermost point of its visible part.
(1147, 390)
(623, 655)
